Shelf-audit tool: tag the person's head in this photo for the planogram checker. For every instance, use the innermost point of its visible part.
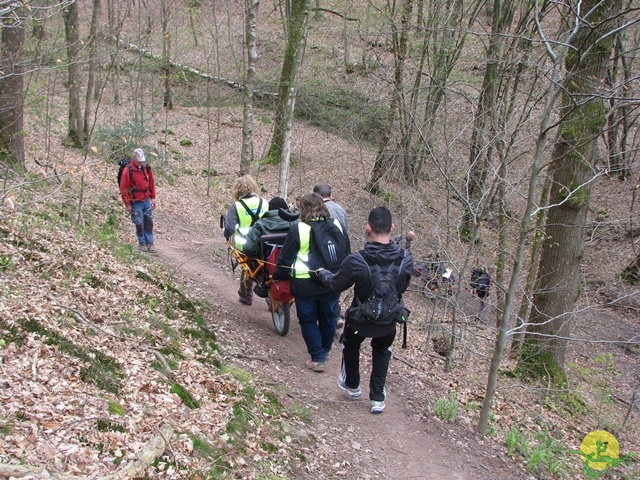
(276, 203)
(138, 156)
(312, 207)
(244, 186)
(379, 221)
(323, 190)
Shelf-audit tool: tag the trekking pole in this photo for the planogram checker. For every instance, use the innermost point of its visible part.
(404, 335)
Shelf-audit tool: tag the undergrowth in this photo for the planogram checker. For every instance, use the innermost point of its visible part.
(47, 244)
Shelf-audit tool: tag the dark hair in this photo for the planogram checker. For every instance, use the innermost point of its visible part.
(380, 220)
(312, 207)
(277, 203)
(322, 189)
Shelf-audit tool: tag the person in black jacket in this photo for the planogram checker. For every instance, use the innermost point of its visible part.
(315, 303)
(379, 250)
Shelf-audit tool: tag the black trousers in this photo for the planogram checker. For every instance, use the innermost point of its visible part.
(380, 354)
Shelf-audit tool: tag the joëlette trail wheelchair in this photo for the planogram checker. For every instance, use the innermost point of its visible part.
(276, 292)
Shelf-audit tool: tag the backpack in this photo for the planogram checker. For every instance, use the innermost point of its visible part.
(329, 246)
(280, 289)
(384, 304)
(480, 282)
(126, 163)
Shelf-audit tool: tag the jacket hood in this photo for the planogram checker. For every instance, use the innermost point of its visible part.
(382, 253)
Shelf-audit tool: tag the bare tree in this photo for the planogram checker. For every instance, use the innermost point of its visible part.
(75, 131)
(400, 41)
(166, 54)
(12, 87)
(251, 18)
(91, 47)
(484, 123)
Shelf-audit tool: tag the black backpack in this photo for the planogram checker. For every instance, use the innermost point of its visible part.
(126, 163)
(384, 304)
(329, 246)
(480, 282)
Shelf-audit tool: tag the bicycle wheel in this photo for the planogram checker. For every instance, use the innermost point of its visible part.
(281, 315)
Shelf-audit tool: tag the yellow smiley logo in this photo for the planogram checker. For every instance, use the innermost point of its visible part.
(599, 451)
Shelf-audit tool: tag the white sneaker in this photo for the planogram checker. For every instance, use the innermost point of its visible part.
(339, 322)
(353, 392)
(377, 407)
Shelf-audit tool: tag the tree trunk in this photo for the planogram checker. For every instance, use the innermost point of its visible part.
(166, 56)
(620, 119)
(484, 121)
(573, 158)
(521, 318)
(387, 150)
(92, 69)
(11, 90)
(442, 45)
(251, 16)
(279, 151)
(631, 274)
(75, 132)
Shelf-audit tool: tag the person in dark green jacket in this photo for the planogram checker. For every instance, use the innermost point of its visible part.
(268, 224)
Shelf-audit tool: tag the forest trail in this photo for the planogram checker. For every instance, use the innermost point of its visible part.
(348, 441)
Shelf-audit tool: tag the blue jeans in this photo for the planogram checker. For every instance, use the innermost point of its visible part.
(317, 323)
(142, 218)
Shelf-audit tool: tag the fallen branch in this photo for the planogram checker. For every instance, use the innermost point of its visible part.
(146, 456)
(184, 68)
(21, 471)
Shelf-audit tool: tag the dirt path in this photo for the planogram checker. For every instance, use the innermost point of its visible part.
(346, 440)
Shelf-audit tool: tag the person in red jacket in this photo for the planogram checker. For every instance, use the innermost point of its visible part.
(138, 191)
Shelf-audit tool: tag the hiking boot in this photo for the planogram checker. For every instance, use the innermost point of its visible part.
(353, 392)
(143, 248)
(377, 407)
(340, 321)
(315, 366)
(152, 249)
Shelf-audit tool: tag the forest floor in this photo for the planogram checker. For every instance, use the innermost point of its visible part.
(51, 412)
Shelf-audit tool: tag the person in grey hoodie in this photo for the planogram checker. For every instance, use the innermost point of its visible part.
(354, 270)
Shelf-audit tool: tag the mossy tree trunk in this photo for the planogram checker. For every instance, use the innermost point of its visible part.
(11, 89)
(293, 55)
(572, 169)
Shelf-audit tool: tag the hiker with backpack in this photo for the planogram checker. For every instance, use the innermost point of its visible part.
(315, 241)
(380, 273)
(248, 207)
(480, 286)
(335, 211)
(138, 192)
